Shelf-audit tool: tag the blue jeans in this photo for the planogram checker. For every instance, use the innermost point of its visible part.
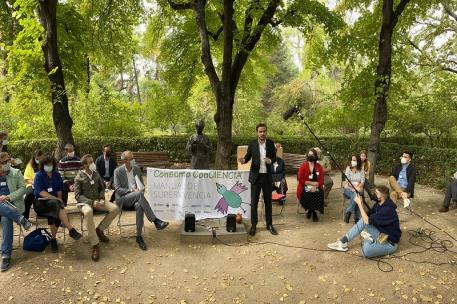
(8, 215)
(370, 249)
(352, 206)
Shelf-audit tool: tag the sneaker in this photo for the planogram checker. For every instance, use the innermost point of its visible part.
(54, 246)
(338, 246)
(25, 223)
(75, 234)
(6, 262)
(366, 236)
(443, 209)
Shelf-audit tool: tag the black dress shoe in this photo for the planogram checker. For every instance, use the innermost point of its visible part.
(347, 216)
(5, 264)
(74, 234)
(356, 220)
(252, 230)
(272, 230)
(160, 225)
(141, 243)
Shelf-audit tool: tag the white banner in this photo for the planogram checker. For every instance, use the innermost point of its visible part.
(206, 193)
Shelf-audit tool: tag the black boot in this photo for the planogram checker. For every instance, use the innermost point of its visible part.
(347, 216)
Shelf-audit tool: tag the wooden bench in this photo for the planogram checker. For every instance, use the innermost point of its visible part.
(293, 161)
(148, 159)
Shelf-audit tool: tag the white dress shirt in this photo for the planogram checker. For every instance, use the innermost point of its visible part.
(263, 154)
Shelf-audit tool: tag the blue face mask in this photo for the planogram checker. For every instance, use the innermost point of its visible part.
(47, 168)
(133, 163)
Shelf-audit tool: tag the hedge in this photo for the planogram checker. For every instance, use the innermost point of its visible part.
(434, 165)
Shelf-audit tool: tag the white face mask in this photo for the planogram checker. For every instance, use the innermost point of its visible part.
(37, 161)
(403, 160)
(6, 167)
(353, 163)
(92, 167)
(5, 142)
(48, 168)
(71, 154)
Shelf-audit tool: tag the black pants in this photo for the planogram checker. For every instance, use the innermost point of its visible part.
(264, 185)
(50, 209)
(29, 200)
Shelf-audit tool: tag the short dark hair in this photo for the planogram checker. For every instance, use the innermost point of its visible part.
(384, 190)
(260, 125)
(48, 159)
(85, 158)
(409, 153)
(105, 145)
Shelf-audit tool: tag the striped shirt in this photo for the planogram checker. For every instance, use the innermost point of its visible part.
(69, 167)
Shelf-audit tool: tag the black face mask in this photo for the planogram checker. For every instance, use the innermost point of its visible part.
(311, 158)
(108, 153)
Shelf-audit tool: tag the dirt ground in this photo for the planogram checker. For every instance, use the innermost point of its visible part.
(173, 272)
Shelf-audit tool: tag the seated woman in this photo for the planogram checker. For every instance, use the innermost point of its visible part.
(355, 174)
(48, 186)
(382, 225)
(90, 195)
(310, 191)
(33, 166)
(278, 175)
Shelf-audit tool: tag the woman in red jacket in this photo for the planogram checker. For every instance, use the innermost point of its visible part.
(310, 189)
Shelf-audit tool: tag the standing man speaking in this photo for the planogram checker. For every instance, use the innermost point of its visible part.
(263, 154)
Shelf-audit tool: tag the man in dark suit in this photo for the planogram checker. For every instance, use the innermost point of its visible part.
(106, 164)
(263, 154)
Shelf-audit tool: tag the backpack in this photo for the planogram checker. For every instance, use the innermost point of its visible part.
(37, 240)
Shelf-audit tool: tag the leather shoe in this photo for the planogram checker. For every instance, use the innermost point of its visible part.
(160, 225)
(5, 264)
(272, 230)
(101, 236)
(141, 243)
(252, 230)
(95, 253)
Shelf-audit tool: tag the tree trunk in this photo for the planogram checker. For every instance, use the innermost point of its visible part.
(382, 83)
(224, 119)
(60, 113)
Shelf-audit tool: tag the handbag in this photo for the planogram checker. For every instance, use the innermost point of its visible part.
(37, 240)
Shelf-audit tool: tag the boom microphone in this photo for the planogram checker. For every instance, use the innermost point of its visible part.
(290, 112)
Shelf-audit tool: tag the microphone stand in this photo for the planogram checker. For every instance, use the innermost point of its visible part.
(300, 115)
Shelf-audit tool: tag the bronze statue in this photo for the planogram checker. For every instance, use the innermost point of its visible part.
(199, 146)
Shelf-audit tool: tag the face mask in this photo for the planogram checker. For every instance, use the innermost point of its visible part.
(311, 158)
(48, 168)
(108, 153)
(353, 163)
(5, 142)
(71, 154)
(133, 163)
(37, 161)
(6, 167)
(92, 167)
(403, 160)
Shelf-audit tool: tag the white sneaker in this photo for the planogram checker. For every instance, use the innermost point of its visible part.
(366, 236)
(338, 246)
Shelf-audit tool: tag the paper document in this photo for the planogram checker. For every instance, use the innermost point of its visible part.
(139, 184)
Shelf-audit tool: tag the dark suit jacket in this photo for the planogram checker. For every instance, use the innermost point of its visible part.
(100, 164)
(254, 154)
(410, 176)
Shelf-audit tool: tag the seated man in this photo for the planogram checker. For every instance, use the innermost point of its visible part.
(128, 195)
(68, 167)
(382, 225)
(90, 195)
(12, 190)
(106, 164)
(451, 194)
(324, 161)
(403, 178)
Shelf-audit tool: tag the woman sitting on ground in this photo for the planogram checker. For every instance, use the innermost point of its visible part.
(355, 175)
(382, 226)
(310, 191)
(48, 186)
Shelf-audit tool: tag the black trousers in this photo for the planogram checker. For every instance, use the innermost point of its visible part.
(262, 184)
(29, 200)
